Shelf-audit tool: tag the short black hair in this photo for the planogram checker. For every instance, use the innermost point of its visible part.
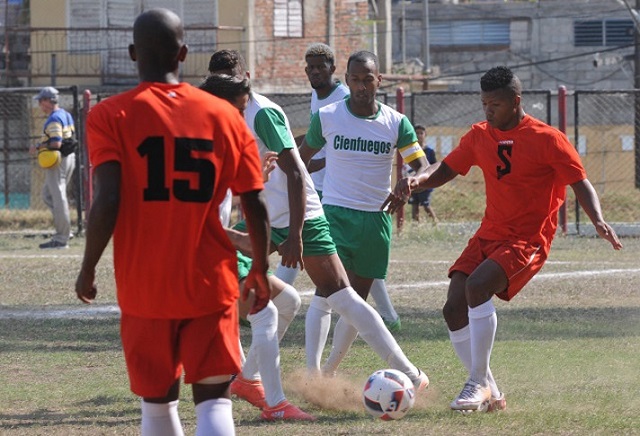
(225, 86)
(228, 60)
(321, 50)
(363, 56)
(419, 126)
(500, 78)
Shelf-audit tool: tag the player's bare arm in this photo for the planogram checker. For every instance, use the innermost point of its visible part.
(588, 199)
(291, 248)
(306, 153)
(240, 240)
(259, 231)
(316, 165)
(434, 176)
(100, 225)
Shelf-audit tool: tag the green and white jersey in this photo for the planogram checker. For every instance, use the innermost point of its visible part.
(270, 127)
(339, 92)
(360, 153)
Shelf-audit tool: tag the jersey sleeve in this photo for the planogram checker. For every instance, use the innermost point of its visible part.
(431, 155)
(249, 172)
(314, 135)
(461, 158)
(407, 143)
(566, 161)
(101, 140)
(53, 129)
(271, 127)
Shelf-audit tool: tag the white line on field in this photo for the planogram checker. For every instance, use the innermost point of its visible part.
(110, 311)
(541, 276)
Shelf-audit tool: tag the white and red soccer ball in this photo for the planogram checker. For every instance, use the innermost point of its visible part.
(388, 394)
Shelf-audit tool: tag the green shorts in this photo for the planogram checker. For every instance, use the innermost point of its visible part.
(244, 265)
(316, 237)
(363, 240)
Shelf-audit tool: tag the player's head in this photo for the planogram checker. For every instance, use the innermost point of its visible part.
(421, 131)
(320, 65)
(228, 62)
(158, 46)
(363, 77)
(234, 89)
(501, 91)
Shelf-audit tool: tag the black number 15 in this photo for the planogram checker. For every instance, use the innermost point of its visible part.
(157, 189)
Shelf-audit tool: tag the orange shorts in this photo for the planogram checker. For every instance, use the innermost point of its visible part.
(520, 261)
(156, 350)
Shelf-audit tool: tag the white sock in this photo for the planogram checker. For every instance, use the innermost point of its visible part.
(482, 328)
(461, 341)
(343, 336)
(383, 302)
(263, 359)
(215, 417)
(316, 330)
(161, 419)
(286, 274)
(288, 304)
(369, 324)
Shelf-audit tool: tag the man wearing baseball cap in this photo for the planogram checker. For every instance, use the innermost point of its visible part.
(57, 127)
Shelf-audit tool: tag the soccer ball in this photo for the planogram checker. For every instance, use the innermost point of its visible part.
(388, 394)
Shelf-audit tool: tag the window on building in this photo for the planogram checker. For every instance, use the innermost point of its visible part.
(608, 33)
(469, 33)
(287, 18)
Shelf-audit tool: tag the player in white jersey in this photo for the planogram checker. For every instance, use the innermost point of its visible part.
(360, 136)
(305, 239)
(259, 382)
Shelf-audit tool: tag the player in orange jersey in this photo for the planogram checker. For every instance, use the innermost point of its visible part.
(526, 165)
(165, 154)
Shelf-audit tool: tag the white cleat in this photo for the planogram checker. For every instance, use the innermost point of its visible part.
(473, 397)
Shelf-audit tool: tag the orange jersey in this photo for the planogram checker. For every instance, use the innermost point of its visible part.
(180, 149)
(526, 170)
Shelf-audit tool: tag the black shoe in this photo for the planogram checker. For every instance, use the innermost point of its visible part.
(53, 244)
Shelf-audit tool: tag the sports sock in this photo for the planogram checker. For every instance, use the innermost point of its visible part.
(343, 336)
(461, 341)
(161, 419)
(316, 330)
(482, 328)
(215, 417)
(263, 359)
(369, 324)
(286, 274)
(383, 302)
(288, 303)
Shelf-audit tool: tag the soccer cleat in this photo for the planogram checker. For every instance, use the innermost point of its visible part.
(285, 411)
(473, 396)
(422, 382)
(249, 390)
(53, 245)
(393, 326)
(496, 404)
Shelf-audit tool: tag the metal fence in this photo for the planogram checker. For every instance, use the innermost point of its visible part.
(21, 179)
(605, 123)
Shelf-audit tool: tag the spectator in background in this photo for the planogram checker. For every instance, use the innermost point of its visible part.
(422, 198)
(58, 127)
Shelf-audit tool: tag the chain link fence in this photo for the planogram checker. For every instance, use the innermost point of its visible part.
(605, 123)
(21, 125)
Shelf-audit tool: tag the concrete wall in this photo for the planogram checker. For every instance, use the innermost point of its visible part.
(540, 32)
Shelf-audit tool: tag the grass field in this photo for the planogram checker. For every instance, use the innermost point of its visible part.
(567, 350)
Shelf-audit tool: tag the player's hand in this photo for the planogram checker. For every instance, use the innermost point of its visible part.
(291, 252)
(268, 164)
(605, 231)
(400, 195)
(33, 149)
(257, 283)
(86, 289)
